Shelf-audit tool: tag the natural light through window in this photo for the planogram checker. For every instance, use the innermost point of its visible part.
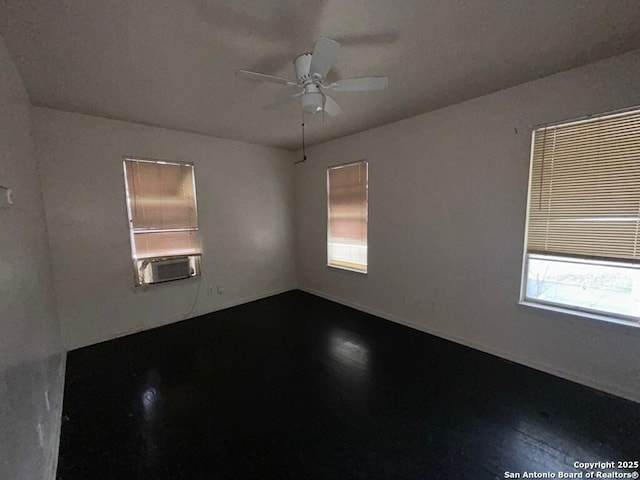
(163, 219)
(583, 220)
(347, 190)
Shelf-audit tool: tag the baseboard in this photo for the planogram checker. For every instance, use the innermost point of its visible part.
(571, 376)
(180, 318)
(55, 446)
(253, 298)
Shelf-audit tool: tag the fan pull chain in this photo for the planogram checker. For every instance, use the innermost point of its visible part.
(304, 155)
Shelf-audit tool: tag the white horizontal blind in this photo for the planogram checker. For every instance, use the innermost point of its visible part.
(347, 216)
(161, 200)
(584, 197)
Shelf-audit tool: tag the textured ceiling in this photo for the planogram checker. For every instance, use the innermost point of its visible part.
(171, 63)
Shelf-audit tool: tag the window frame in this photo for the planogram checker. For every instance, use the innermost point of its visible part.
(617, 318)
(327, 229)
(194, 258)
(573, 310)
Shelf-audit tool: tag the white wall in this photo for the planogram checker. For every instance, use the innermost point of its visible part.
(448, 194)
(245, 209)
(31, 366)
(27, 306)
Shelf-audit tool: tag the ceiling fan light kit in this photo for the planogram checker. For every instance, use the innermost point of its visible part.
(311, 70)
(312, 101)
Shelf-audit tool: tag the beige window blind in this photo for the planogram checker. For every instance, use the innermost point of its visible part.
(347, 216)
(161, 201)
(584, 196)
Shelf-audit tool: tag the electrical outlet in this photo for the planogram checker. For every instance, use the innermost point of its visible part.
(220, 289)
(210, 290)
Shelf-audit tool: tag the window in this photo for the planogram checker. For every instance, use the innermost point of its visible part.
(583, 217)
(347, 192)
(163, 220)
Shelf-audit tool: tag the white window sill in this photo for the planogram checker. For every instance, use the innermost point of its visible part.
(354, 270)
(627, 322)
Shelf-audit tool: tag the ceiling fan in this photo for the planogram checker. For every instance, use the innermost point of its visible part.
(311, 73)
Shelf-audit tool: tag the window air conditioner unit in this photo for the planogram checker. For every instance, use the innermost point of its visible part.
(167, 269)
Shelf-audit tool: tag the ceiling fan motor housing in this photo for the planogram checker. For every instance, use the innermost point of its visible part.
(302, 65)
(312, 101)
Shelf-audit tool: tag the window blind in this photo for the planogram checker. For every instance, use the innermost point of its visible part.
(347, 216)
(584, 196)
(162, 208)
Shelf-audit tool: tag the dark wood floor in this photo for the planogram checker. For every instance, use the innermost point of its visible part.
(297, 387)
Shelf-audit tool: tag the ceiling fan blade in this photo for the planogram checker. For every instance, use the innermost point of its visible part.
(331, 107)
(363, 84)
(368, 39)
(260, 77)
(282, 101)
(325, 55)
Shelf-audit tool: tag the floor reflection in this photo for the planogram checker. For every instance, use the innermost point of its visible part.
(151, 396)
(151, 400)
(350, 364)
(350, 352)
